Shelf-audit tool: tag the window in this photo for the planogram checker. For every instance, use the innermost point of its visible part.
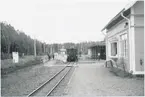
(114, 49)
(123, 43)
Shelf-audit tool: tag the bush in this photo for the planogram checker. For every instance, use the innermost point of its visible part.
(120, 70)
(121, 64)
(5, 56)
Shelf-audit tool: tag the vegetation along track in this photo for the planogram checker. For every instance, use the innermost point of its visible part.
(47, 87)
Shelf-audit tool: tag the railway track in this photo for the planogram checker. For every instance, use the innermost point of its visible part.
(48, 86)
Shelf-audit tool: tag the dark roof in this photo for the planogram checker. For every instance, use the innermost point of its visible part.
(98, 44)
(118, 17)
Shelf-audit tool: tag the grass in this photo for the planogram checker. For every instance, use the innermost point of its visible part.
(8, 66)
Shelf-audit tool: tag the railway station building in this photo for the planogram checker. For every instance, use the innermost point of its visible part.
(125, 37)
(95, 49)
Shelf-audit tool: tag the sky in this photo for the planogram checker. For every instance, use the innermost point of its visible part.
(60, 21)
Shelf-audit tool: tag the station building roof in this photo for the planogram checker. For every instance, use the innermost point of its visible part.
(97, 44)
(126, 11)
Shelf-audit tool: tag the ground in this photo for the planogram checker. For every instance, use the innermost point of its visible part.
(95, 79)
(23, 81)
(88, 78)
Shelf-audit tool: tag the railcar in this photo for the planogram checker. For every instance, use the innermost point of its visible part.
(72, 55)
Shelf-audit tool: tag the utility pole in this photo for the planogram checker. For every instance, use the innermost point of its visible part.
(35, 47)
(44, 48)
(50, 49)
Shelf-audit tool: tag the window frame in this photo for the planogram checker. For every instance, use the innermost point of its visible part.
(115, 48)
(109, 49)
(124, 39)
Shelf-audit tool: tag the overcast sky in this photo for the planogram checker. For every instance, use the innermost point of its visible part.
(59, 21)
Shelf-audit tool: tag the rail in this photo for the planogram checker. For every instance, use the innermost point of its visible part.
(49, 80)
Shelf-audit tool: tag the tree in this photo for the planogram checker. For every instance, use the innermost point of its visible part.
(15, 40)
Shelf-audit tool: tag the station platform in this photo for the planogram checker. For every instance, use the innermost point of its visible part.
(96, 80)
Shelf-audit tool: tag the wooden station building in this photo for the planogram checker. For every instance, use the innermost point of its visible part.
(125, 37)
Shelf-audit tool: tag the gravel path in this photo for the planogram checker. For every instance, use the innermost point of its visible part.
(96, 80)
(23, 81)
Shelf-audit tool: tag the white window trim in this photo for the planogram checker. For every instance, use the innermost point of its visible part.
(125, 56)
(110, 49)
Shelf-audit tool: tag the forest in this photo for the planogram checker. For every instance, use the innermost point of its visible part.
(13, 40)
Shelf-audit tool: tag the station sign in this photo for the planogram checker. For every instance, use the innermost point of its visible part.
(15, 56)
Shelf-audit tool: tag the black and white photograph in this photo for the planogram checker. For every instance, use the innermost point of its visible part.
(72, 48)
